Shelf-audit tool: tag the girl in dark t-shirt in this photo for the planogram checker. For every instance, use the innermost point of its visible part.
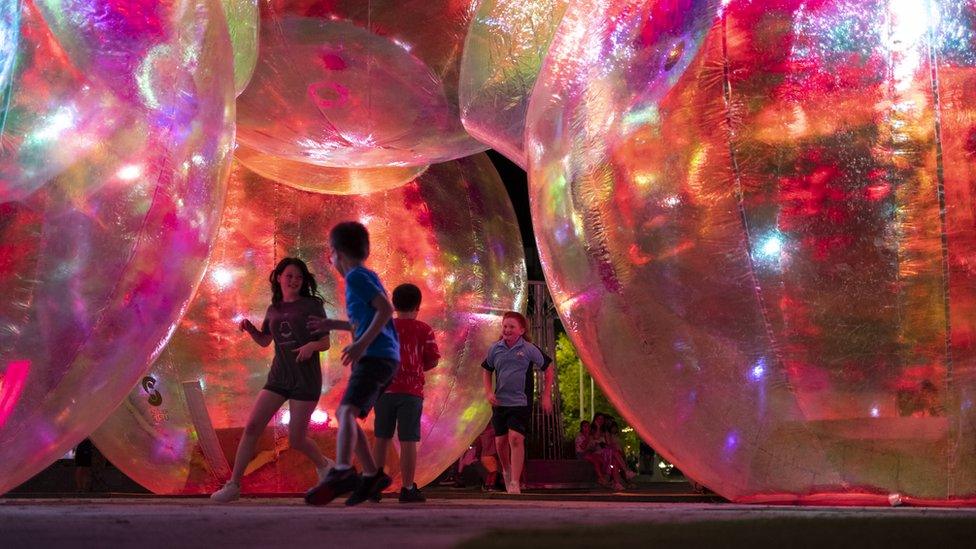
(295, 376)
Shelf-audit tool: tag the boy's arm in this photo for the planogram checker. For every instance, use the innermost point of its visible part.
(318, 325)
(384, 312)
(545, 364)
(322, 344)
(431, 353)
(325, 341)
(489, 389)
(547, 390)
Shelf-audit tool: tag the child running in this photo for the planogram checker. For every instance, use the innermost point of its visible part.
(374, 357)
(511, 360)
(295, 375)
(401, 406)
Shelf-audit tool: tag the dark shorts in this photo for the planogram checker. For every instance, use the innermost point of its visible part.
(295, 382)
(370, 377)
(292, 393)
(400, 412)
(516, 418)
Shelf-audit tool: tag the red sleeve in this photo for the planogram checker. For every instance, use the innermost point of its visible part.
(431, 353)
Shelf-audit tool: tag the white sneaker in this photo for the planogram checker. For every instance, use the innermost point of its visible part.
(322, 471)
(513, 488)
(230, 492)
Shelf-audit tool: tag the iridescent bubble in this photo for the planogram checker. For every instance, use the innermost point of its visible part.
(452, 232)
(322, 179)
(242, 25)
(9, 40)
(98, 262)
(761, 244)
(358, 85)
(506, 45)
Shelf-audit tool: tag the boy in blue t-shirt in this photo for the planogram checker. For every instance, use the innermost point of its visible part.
(374, 356)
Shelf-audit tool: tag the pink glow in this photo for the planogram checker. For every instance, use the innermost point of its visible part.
(11, 385)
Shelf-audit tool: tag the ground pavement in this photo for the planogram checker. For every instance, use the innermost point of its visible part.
(151, 522)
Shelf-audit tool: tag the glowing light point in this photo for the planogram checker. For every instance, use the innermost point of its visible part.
(320, 417)
(129, 172)
(222, 277)
(772, 246)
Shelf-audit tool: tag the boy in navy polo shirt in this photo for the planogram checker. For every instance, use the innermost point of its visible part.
(374, 356)
(511, 360)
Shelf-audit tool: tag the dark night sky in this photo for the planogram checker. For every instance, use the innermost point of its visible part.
(517, 186)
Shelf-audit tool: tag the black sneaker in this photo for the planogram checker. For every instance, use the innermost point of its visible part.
(412, 495)
(369, 487)
(334, 485)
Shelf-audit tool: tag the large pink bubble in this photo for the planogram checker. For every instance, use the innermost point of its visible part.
(108, 206)
(452, 232)
(762, 244)
(332, 87)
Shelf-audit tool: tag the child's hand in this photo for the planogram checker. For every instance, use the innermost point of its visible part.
(352, 353)
(246, 326)
(318, 326)
(492, 398)
(306, 352)
(547, 403)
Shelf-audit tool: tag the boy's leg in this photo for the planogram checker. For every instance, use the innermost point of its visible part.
(384, 425)
(504, 454)
(363, 452)
(380, 447)
(408, 427)
(264, 409)
(301, 413)
(367, 383)
(374, 480)
(342, 478)
(346, 438)
(408, 462)
(516, 441)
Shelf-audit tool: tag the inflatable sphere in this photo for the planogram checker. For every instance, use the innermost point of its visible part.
(761, 242)
(452, 232)
(503, 53)
(9, 40)
(242, 25)
(100, 258)
(322, 179)
(345, 90)
(120, 39)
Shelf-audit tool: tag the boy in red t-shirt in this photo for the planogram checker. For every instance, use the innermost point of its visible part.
(400, 407)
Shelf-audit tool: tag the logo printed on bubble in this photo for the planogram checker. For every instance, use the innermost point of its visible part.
(149, 386)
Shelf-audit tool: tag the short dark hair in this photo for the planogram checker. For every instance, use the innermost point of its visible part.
(406, 298)
(350, 238)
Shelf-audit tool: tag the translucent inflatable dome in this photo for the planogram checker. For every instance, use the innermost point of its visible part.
(112, 180)
(757, 222)
(452, 232)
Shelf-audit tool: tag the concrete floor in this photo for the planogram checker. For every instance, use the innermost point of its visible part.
(194, 522)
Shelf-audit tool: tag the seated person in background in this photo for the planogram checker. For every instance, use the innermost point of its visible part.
(586, 448)
(617, 450)
(599, 433)
(488, 455)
